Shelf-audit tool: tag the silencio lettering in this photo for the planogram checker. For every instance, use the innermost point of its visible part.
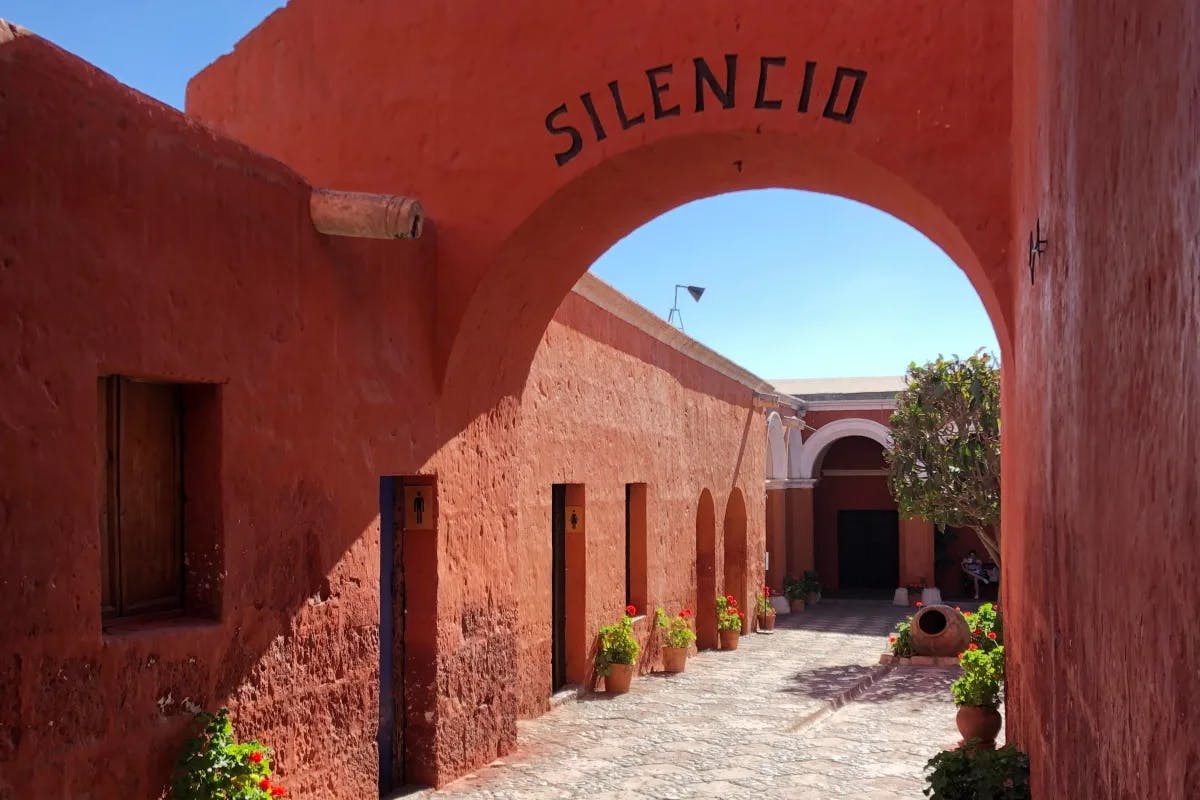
(775, 89)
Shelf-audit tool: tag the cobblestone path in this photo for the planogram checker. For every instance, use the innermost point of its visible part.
(770, 720)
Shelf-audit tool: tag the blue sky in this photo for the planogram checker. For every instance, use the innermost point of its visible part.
(798, 284)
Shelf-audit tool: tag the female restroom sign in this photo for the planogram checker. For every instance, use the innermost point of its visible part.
(574, 518)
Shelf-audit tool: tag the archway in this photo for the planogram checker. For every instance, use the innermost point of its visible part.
(777, 454)
(813, 451)
(734, 548)
(706, 571)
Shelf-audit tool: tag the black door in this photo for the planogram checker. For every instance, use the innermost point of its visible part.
(558, 603)
(391, 638)
(868, 549)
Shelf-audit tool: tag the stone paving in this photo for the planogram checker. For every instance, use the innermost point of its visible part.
(804, 713)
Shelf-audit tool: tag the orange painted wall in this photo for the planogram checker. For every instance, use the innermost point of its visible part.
(145, 244)
(1101, 494)
(593, 414)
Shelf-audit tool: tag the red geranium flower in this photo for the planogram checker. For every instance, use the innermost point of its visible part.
(729, 599)
(278, 791)
(740, 614)
(630, 610)
(991, 634)
(891, 638)
(255, 757)
(956, 608)
(960, 652)
(973, 646)
(264, 784)
(919, 604)
(977, 631)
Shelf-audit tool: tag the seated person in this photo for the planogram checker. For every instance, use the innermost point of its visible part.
(974, 568)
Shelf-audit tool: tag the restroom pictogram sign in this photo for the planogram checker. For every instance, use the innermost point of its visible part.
(574, 519)
(418, 508)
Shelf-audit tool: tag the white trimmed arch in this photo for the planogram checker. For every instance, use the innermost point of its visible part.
(777, 461)
(816, 446)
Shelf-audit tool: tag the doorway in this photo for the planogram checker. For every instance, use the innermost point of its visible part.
(558, 587)
(868, 550)
(391, 635)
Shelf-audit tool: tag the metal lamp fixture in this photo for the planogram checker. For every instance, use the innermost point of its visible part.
(695, 291)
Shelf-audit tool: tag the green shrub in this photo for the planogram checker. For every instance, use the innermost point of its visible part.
(901, 639)
(214, 766)
(987, 627)
(678, 629)
(729, 618)
(982, 677)
(969, 773)
(617, 645)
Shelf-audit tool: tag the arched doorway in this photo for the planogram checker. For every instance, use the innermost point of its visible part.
(706, 572)
(734, 550)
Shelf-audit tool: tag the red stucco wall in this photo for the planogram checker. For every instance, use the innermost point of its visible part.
(1101, 493)
(135, 241)
(593, 415)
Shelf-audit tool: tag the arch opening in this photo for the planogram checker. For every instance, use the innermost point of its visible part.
(706, 572)
(735, 552)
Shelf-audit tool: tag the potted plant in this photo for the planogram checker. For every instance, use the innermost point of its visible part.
(729, 621)
(970, 772)
(794, 589)
(617, 654)
(915, 589)
(812, 587)
(977, 693)
(215, 765)
(901, 639)
(764, 610)
(678, 636)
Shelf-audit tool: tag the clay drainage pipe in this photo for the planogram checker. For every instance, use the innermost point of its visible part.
(366, 216)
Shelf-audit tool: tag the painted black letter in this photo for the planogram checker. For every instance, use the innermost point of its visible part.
(576, 139)
(760, 100)
(656, 90)
(589, 107)
(847, 116)
(810, 69)
(626, 122)
(704, 75)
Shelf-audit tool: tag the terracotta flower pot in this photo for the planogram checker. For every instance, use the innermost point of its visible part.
(618, 678)
(796, 605)
(813, 598)
(766, 622)
(674, 659)
(729, 639)
(978, 722)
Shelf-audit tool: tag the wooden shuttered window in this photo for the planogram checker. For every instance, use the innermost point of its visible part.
(142, 490)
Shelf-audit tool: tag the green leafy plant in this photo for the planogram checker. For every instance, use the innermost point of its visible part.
(811, 581)
(762, 603)
(729, 617)
(617, 644)
(678, 629)
(987, 627)
(901, 639)
(982, 677)
(215, 766)
(971, 773)
(794, 588)
(944, 463)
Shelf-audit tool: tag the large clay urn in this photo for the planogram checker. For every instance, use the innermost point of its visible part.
(618, 678)
(978, 722)
(939, 631)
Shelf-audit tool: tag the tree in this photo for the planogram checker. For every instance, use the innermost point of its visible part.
(944, 464)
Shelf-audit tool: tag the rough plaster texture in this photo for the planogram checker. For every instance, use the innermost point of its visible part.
(143, 244)
(1101, 493)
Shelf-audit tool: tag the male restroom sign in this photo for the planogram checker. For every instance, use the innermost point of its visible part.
(418, 508)
(776, 86)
